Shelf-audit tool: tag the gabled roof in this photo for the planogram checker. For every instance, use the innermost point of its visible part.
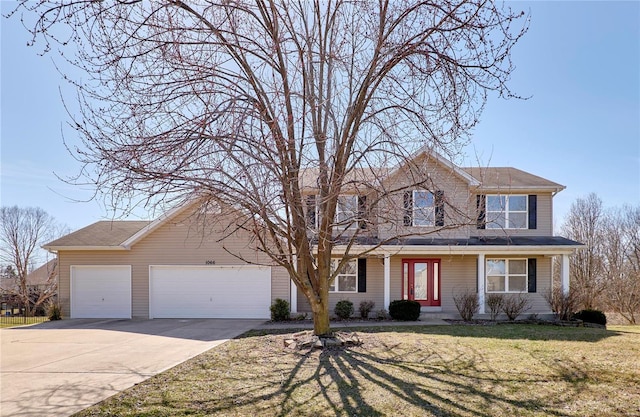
(507, 178)
(114, 234)
(102, 235)
(429, 152)
(481, 178)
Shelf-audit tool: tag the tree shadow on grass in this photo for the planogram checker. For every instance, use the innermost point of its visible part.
(540, 332)
(404, 373)
(392, 380)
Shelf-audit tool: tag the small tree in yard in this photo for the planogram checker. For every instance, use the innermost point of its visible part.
(235, 102)
(22, 231)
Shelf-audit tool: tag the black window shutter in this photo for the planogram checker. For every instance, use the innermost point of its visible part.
(481, 204)
(362, 274)
(439, 203)
(533, 211)
(532, 274)
(362, 212)
(311, 211)
(408, 208)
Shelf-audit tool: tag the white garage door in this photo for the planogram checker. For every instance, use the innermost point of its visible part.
(101, 291)
(240, 291)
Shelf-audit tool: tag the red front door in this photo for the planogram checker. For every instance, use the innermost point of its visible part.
(421, 281)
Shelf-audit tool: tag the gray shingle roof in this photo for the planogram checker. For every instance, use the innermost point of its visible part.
(101, 234)
(507, 177)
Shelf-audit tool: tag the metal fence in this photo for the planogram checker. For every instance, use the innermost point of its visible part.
(9, 321)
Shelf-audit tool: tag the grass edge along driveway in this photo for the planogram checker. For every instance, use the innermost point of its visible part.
(506, 370)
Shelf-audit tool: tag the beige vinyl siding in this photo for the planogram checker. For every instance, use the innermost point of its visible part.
(458, 273)
(375, 291)
(544, 217)
(181, 241)
(457, 215)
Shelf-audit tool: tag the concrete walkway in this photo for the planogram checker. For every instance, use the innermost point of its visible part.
(59, 368)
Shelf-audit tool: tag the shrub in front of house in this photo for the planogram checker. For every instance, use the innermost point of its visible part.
(343, 309)
(467, 304)
(591, 316)
(563, 304)
(54, 311)
(495, 303)
(514, 305)
(365, 308)
(382, 314)
(404, 310)
(280, 310)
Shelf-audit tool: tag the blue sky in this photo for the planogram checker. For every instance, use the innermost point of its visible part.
(579, 63)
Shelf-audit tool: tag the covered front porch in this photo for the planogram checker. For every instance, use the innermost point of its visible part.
(448, 267)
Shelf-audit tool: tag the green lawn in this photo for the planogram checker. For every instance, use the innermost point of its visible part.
(505, 370)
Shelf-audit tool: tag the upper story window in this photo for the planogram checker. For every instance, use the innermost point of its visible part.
(347, 210)
(423, 208)
(507, 275)
(350, 211)
(347, 278)
(506, 212)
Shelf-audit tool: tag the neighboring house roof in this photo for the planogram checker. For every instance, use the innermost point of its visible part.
(40, 275)
(103, 235)
(503, 178)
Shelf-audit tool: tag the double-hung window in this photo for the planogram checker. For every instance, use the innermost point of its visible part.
(506, 212)
(347, 278)
(347, 211)
(423, 208)
(507, 275)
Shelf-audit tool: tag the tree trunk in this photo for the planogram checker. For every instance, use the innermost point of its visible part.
(320, 312)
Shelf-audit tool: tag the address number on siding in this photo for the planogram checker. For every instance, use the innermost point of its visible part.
(210, 262)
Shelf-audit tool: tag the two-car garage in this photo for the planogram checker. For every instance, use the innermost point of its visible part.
(175, 291)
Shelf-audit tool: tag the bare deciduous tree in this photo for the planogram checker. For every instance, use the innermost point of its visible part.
(22, 231)
(235, 101)
(584, 224)
(621, 252)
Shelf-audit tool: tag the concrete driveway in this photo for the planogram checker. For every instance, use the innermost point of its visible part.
(59, 368)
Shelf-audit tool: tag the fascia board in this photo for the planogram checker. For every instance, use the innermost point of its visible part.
(463, 250)
(83, 248)
(524, 189)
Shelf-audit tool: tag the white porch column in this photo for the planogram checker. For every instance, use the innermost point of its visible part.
(293, 290)
(564, 274)
(387, 281)
(293, 297)
(481, 265)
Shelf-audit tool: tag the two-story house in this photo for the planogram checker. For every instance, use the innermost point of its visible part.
(440, 229)
(424, 231)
